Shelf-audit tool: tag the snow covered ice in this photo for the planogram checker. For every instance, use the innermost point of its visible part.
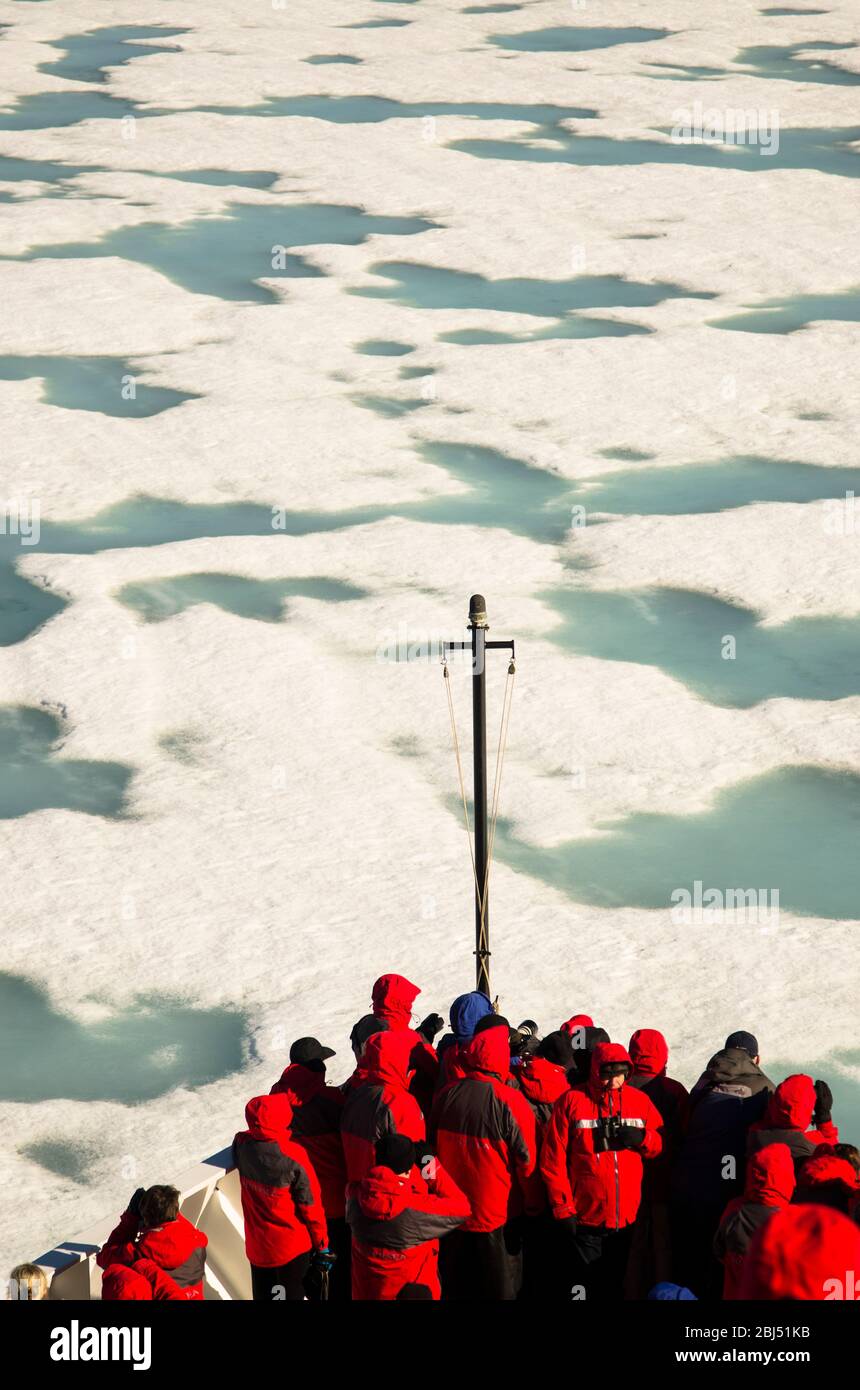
(238, 814)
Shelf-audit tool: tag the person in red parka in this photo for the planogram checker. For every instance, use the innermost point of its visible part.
(317, 1112)
(803, 1254)
(281, 1201)
(483, 1132)
(651, 1251)
(397, 1219)
(788, 1119)
(591, 1161)
(543, 1078)
(769, 1188)
(392, 999)
(382, 1104)
(141, 1282)
(152, 1228)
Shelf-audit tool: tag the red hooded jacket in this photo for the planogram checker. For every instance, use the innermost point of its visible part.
(484, 1132)
(381, 1105)
(392, 999)
(769, 1187)
(317, 1112)
(828, 1173)
(600, 1188)
(396, 1224)
(281, 1199)
(578, 1021)
(649, 1053)
(177, 1247)
(541, 1082)
(788, 1118)
(141, 1282)
(804, 1253)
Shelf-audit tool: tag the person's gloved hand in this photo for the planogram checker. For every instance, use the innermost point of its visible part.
(134, 1204)
(567, 1226)
(628, 1137)
(823, 1111)
(431, 1025)
(316, 1279)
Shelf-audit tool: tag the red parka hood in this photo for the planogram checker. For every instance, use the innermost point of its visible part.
(798, 1252)
(770, 1176)
(269, 1117)
(649, 1052)
(487, 1051)
(382, 1194)
(386, 1059)
(829, 1168)
(120, 1283)
(791, 1105)
(299, 1084)
(603, 1053)
(392, 999)
(542, 1080)
(578, 1021)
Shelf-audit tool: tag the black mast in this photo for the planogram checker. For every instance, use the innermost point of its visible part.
(479, 645)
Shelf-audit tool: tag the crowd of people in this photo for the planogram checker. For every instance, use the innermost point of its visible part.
(500, 1164)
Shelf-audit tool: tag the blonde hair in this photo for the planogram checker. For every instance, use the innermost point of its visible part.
(28, 1283)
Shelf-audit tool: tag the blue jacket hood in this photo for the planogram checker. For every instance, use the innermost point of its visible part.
(466, 1013)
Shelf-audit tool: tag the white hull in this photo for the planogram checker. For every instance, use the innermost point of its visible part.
(209, 1200)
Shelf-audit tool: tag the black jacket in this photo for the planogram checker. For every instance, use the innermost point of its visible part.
(729, 1096)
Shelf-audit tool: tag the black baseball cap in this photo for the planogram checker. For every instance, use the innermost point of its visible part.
(366, 1028)
(747, 1041)
(306, 1050)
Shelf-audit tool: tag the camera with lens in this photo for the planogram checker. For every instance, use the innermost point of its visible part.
(609, 1134)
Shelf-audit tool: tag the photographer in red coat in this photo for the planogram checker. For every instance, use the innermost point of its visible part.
(397, 1218)
(281, 1202)
(152, 1228)
(317, 1110)
(484, 1135)
(591, 1162)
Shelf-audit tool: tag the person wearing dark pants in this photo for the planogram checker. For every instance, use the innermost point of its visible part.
(285, 1225)
(281, 1282)
(598, 1263)
(481, 1266)
(484, 1135)
(591, 1163)
(317, 1110)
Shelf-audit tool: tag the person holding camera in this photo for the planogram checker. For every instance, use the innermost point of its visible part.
(591, 1162)
(152, 1228)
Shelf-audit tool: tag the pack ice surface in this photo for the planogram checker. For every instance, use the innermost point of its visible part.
(412, 282)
